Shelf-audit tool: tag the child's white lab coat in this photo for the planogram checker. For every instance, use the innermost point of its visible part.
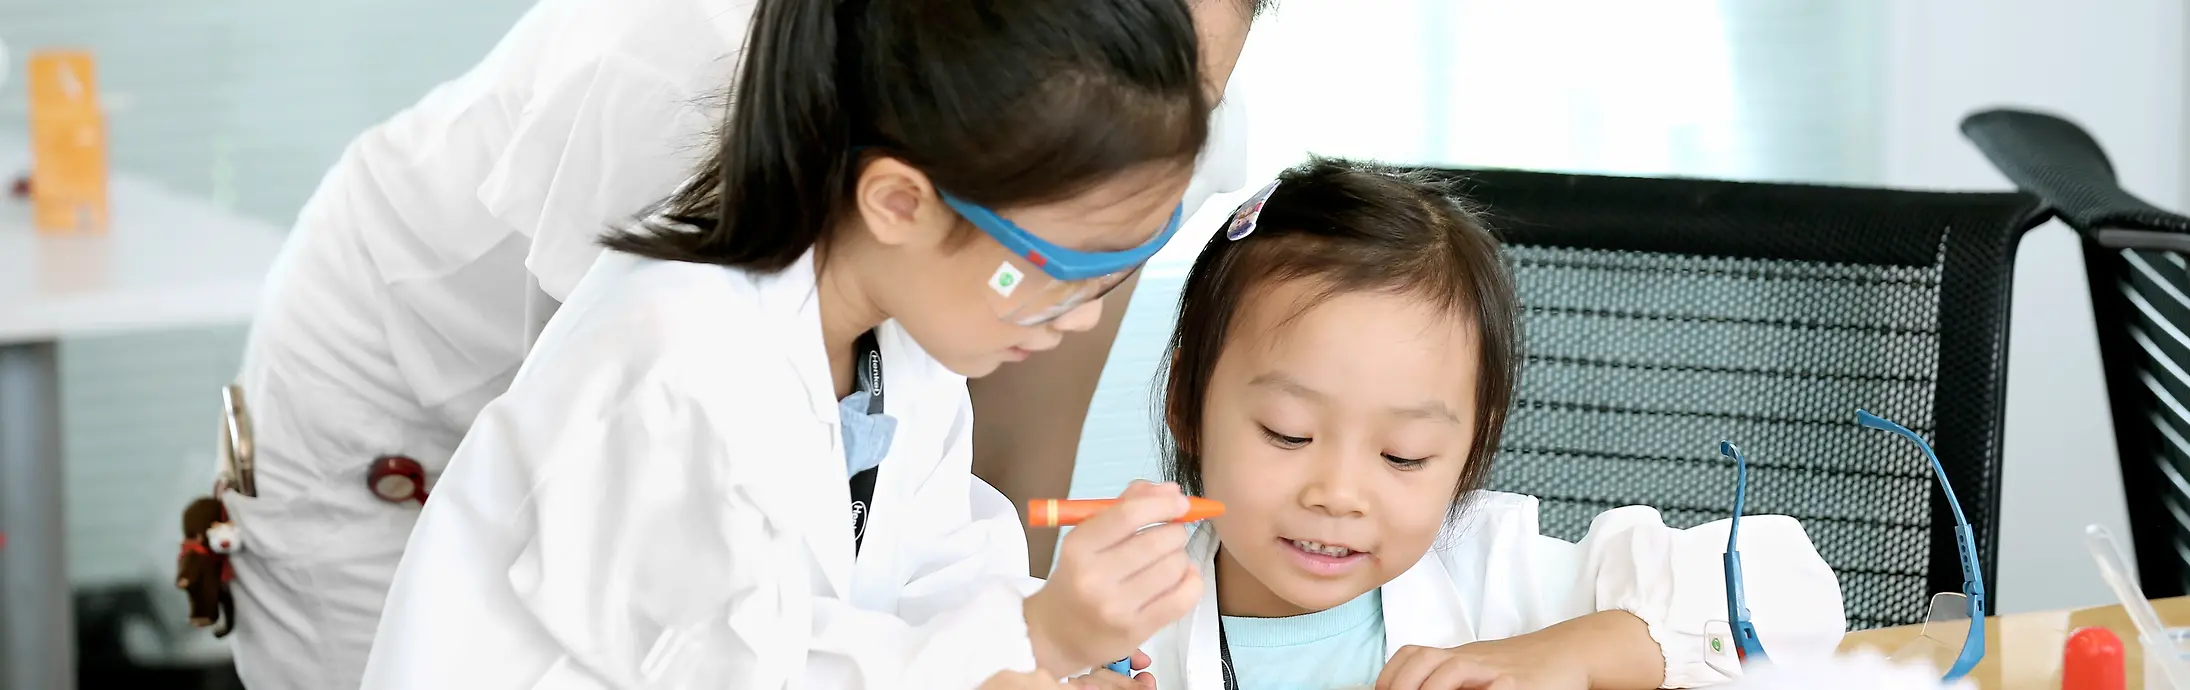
(665, 484)
(414, 279)
(1502, 578)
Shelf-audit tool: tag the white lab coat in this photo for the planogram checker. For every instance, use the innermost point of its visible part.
(667, 473)
(1501, 578)
(415, 277)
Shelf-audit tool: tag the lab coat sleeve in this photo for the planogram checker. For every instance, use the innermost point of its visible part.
(590, 150)
(1674, 581)
(585, 523)
(960, 616)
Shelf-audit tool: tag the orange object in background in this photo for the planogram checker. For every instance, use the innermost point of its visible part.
(68, 172)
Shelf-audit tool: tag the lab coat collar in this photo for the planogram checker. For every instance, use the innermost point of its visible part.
(1204, 668)
(1421, 607)
(908, 373)
(820, 518)
(795, 290)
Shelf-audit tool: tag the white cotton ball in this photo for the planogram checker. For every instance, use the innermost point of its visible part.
(1864, 669)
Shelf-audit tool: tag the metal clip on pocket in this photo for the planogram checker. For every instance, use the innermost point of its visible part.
(236, 449)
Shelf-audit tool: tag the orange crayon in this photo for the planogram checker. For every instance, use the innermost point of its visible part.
(1066, 512)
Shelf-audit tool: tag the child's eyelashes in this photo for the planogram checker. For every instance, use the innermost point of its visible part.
(1405, 463)
(1283, 441)
(1295, 442)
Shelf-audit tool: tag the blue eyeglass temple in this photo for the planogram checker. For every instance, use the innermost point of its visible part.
(1737, 607)
(1973, 585)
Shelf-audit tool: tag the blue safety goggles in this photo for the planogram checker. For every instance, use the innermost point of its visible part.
(1042, 281)
(1973, 585)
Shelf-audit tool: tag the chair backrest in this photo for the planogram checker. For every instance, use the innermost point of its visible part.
(2140, 300)
(2140, 305)
(1662, 315)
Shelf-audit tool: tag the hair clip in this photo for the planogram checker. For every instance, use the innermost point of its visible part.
(1243, 219)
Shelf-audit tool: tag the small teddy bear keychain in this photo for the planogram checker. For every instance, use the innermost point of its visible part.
(202, 569)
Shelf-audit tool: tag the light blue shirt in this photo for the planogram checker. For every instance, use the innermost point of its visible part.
(1338, 648)
(866, 436)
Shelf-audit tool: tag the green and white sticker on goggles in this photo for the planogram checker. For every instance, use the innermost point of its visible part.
(1007, 279)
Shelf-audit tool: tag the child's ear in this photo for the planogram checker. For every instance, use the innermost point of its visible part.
(898, 204)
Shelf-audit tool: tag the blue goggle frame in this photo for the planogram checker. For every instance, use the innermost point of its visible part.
(1973, 584)
(1057, 262)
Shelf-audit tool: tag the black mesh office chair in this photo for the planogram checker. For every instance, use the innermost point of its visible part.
(2133, 256)
(1661, 315)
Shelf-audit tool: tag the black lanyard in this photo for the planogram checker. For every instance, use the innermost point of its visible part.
(1224, 655)
(867, 361)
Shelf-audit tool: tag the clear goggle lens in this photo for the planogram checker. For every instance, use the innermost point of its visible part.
(1946, 626)
(1023, 295)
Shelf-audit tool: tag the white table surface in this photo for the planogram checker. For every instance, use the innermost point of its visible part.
(166, 260)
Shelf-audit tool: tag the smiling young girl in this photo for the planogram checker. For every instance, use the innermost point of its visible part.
(1345, 354)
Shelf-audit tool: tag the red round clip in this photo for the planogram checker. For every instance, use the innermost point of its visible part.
(397, 479)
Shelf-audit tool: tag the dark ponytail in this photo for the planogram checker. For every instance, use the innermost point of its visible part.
(1001, 102)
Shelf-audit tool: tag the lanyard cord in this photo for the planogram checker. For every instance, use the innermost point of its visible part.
(867, 359)
(867, 376)
(1224, 655)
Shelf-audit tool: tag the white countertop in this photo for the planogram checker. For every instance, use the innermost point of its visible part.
(167, 260)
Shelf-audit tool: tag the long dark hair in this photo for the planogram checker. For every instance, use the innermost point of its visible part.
(1349, 227)
(1000, 102)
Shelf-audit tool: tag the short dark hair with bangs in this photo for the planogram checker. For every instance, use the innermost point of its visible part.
(1350, 227)
(999, 102)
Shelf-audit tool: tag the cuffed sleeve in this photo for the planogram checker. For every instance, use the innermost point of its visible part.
(1513, 580)
(1674, 580)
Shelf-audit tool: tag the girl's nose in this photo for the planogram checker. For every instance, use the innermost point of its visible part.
(1334, 490)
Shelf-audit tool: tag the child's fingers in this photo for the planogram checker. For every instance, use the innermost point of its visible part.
(1139, 661)
(1146, 681)
(1406, 670)
(1153, 582)
(1430, 669)
(1105, 679)
(1458, 673)
(1179, 600)
(1008, 680)
(1149, 547)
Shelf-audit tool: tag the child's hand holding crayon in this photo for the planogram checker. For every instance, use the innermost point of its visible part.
(1115, 583)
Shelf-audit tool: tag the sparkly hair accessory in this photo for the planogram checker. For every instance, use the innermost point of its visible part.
(1243, 219)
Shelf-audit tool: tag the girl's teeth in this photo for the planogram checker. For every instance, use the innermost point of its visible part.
(1321, 550)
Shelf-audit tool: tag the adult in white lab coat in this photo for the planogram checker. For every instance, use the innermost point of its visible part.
(443, 238)
(1500, 577)
(662, 497)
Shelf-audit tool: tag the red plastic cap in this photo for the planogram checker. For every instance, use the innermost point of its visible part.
(2092, 660)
